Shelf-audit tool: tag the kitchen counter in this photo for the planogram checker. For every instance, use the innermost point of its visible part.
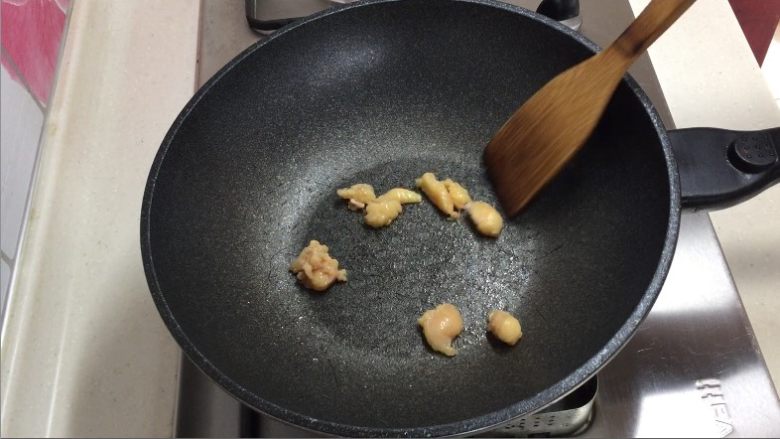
(84, 352)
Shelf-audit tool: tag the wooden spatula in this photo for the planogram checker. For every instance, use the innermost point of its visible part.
(546, 131)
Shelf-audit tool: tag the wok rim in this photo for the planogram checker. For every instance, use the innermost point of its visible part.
(478, 423)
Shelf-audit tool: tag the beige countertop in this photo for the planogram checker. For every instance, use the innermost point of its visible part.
(84, 352)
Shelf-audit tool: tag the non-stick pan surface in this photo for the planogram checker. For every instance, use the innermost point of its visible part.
(381, 92)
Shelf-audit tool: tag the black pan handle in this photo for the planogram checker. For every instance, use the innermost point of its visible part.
(719, 168)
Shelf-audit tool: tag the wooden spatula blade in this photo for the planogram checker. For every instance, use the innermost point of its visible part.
(544, 134)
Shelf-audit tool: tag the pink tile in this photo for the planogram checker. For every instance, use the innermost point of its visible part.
(30, 32)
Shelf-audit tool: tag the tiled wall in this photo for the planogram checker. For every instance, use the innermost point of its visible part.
(758, 19)
(31, 32)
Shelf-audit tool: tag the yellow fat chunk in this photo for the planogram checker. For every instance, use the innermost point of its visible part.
(381, 212)
(505, 327)
(316, 269)
(402, 195)
(486, 218)
(440, 326)
(361, 193)
(437, 192)
(460, 196)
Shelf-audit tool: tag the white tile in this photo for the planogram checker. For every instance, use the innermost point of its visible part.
(5, 278)
(771, 66)
(20, 128)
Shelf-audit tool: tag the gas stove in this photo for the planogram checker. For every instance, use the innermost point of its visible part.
(693, 368)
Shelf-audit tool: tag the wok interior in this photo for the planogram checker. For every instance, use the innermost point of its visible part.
(381, 94)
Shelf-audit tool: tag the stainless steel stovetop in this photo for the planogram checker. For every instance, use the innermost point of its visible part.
(693, 369)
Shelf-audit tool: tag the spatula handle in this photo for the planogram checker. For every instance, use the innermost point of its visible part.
(651, 23)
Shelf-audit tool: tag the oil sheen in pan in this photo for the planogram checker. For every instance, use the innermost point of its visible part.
(395, 273)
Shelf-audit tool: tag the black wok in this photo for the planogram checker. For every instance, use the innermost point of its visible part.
(380, 92)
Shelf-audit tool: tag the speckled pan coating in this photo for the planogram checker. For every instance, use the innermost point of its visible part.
(380, 92)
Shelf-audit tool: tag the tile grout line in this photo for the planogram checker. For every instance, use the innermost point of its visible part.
(8, 260)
